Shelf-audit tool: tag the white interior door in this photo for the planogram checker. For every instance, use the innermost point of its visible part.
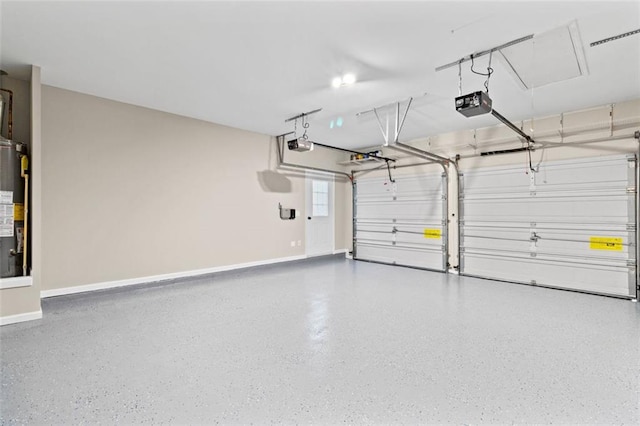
(319, 215)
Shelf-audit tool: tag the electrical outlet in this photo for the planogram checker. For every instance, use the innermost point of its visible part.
(293, 243)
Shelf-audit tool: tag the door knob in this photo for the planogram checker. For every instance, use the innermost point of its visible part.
(308, 217)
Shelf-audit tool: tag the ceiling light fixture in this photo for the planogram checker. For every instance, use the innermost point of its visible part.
(345, 80)
(348, 79)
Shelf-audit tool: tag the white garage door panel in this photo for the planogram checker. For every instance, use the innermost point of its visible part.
(593, 208)
(391, 220)
(427, 186)
(586, 276)
(406, 234)
(553, 242)
(405, 256)
(547, 227)
(407, 210)
(605, 172)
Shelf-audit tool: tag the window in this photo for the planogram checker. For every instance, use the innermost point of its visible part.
(320, 198)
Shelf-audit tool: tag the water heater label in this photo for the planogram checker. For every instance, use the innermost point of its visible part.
(6, 230)
(6, 219)
(6, 211)
(6, 197)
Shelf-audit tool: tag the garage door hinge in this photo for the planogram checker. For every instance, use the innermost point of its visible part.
(631, 263)
(532, 193)
(534, 282)
(631, 226)
(631, 190)
(533, 254)
(461, 249)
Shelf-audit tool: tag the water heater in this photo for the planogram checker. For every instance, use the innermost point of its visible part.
(12, 215)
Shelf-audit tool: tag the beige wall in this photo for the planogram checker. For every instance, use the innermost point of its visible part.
(130, 192)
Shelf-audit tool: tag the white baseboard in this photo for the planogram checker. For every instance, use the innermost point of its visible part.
(340, 251)
(164, 277)
(13, 319)
(15, 282)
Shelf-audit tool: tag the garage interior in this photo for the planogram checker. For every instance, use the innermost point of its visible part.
(319, 212)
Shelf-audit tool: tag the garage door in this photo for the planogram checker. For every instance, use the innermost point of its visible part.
(571, 225)
(401, 223)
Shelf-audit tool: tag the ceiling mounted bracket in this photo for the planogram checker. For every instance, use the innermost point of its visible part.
(302, 115)
(483, 52)
(398, 122)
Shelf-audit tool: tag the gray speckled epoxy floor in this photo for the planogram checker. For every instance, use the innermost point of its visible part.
(325, 341)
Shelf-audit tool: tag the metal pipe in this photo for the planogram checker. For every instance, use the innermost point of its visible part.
(445, 225)
(385, 135)
(637, 136)
(457, 205)
(304, 114)
(397, 131)
(10, 116)
(510, 125)
(420, 153)
(484, 52)
(394, 167)
(399, 128)
(352, 151)
(25, 249)
(316, 169)
(504, 151)
(354, 211)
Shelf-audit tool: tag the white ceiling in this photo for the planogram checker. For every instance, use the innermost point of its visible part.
(251, 65)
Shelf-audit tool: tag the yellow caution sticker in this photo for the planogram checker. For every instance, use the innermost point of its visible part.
(432, 233)
(18, 211)
(605, 243)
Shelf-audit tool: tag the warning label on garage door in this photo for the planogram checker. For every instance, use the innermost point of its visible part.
(605, 243)
(432, 233)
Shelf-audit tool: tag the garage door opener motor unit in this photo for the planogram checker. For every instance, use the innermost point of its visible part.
(473, 104)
